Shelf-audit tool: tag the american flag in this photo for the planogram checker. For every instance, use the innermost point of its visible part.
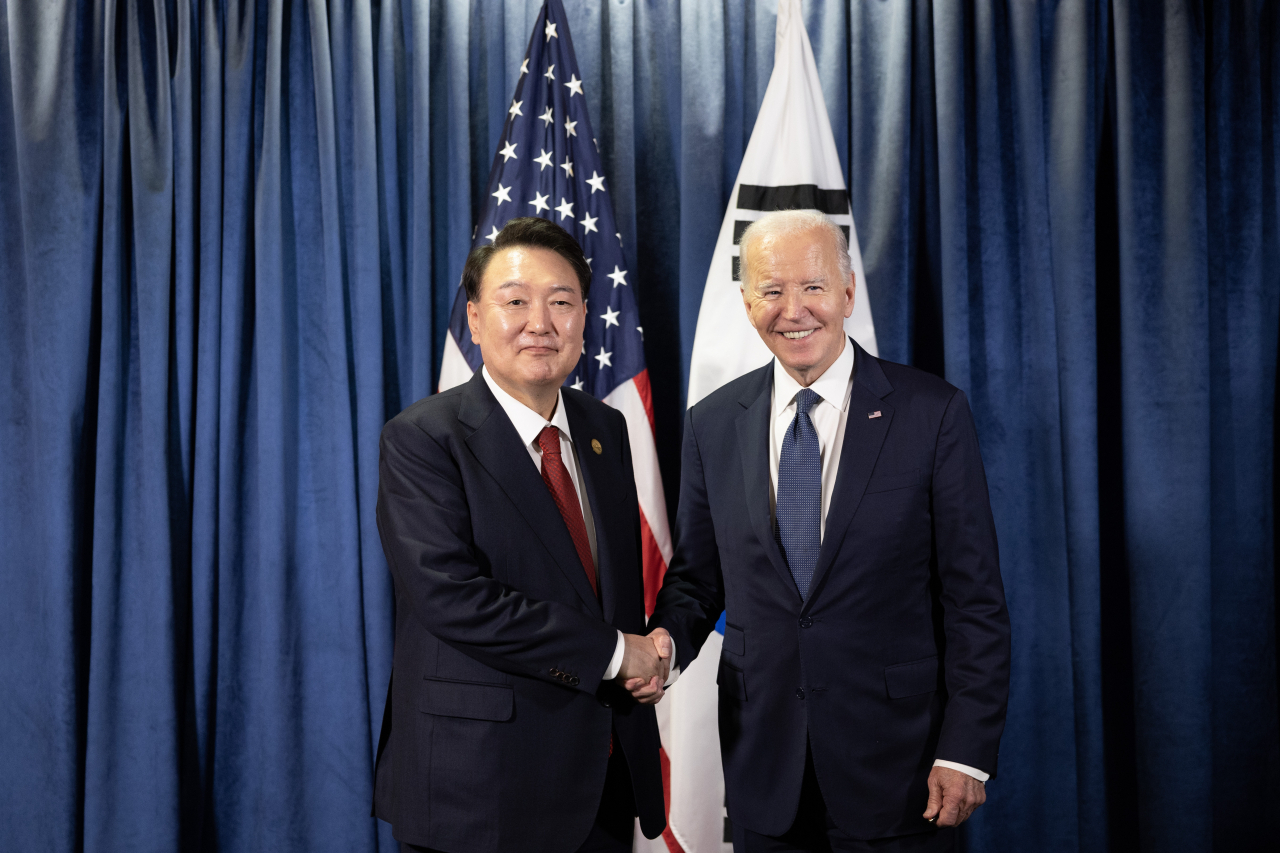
(548, 164)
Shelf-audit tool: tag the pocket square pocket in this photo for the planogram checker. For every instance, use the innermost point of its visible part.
(912, 678)
(890, 482)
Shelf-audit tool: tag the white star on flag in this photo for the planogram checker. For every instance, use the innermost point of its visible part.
(596, 181)
(524, 67)
(550, 31)
(492, 235)
(610, 317)
(547, 117)
(515, 109)
(565, 208)
(550, 73)
(567, 165)
(574, 85)
(619, 276)
(545, 160)
(604, 358)
(569, 128)
(540, 203)
(588, 223)
(509, 152)
(640, 329)
(503, 194)
(577, 386)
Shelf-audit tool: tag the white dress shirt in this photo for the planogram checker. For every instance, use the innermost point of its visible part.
(529, 424)
(830, 415)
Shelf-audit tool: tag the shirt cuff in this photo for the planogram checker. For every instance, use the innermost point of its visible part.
(615, 665)
(963, 768)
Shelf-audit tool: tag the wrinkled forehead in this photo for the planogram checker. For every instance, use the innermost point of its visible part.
(788, 254)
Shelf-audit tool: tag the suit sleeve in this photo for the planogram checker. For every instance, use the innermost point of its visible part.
(425, 525)
(692, 595)
(975, 618)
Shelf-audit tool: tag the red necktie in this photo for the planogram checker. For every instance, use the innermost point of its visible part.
(560, 484)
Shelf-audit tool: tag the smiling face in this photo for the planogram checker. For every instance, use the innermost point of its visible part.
(528, 320)
(798, 300)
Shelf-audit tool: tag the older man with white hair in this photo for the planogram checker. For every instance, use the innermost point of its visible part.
(835, 507)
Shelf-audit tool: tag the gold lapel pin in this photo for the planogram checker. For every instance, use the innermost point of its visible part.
(871, 415)
(595, 445)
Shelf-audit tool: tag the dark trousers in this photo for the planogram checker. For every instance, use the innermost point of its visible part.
(615, 821)
(815, 832)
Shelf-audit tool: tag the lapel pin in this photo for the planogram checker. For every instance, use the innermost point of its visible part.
(595, 445)
(872, 415)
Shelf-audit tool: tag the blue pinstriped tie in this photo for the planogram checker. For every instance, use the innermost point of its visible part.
(799, 507)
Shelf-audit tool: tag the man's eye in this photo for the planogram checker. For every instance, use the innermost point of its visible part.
(516, 302)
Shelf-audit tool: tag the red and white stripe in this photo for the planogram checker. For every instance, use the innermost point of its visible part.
(635, 400)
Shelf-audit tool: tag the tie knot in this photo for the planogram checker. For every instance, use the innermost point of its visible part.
(549, 440)
(805, 400)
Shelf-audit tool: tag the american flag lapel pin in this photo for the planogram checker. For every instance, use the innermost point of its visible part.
(873, 415)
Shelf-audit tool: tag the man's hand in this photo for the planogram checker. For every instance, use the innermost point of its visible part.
(646, 664)
(953, 796)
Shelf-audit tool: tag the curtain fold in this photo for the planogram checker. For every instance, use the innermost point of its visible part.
(230, 237)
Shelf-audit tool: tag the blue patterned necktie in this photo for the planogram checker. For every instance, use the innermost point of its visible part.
(799, 507)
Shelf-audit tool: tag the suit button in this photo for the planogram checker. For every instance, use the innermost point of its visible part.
(605, 703)
(800, 693)
(806, 622)
(574, 681)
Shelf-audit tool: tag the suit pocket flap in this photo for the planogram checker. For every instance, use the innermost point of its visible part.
(734, 639)
(468, 699)
(731, 681)
(911, 679)
(889, 482)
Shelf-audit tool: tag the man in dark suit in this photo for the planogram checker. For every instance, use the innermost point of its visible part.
(508, 514)
(835, 507)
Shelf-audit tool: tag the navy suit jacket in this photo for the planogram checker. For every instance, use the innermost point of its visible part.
(496, 733)
(900, 654)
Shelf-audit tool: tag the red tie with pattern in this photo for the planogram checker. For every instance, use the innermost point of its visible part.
(560, 484)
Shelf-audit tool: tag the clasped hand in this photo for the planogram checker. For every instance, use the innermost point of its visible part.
(646, 665)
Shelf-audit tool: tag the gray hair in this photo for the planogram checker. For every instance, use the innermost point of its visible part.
(788, 223)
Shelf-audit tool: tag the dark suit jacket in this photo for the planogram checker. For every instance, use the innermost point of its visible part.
(497, 727)
(899, 656)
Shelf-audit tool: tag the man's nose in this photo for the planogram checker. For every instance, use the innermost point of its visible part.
(793, 307)
(539, 318)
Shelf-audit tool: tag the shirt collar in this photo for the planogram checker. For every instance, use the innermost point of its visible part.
(527, 422)
(832, 386)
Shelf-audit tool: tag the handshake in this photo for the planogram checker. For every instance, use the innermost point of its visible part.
(646, 665)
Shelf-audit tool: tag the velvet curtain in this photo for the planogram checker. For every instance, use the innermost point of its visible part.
(230, 234)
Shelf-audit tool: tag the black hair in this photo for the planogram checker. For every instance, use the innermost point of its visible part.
(532, 231)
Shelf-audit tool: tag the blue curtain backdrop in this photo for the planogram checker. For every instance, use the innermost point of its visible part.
(230, 234)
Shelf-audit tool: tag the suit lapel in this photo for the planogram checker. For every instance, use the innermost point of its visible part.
(595, 477)
(753, 441)
(498, 449)
(863, 439)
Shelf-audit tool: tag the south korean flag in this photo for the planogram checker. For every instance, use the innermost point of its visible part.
(790, 164)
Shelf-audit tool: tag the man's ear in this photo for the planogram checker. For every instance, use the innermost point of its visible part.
(850, 292)
(473, 321)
